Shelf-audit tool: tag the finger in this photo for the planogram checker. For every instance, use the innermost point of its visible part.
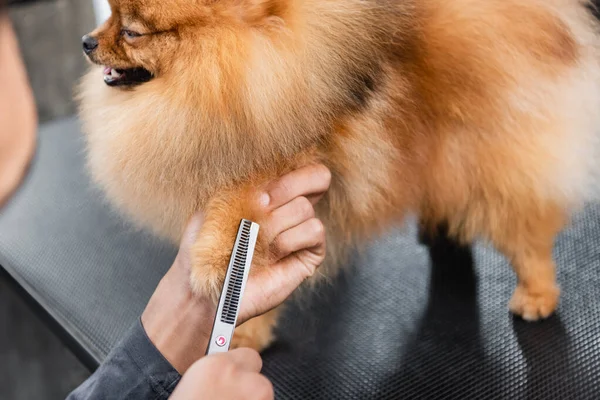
(306, 181)
(188, 238)
(246, 359)
(288, 216)
(256, 387)
(191, 230)
(269, 287)
(308, 234)
(315, 198)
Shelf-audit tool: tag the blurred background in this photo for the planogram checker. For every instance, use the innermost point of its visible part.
(34, 364)
(49, 33)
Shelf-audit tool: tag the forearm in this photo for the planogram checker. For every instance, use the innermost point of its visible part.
(134, 369)
(170, 336)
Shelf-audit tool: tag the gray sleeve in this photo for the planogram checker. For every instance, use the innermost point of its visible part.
(134, 369)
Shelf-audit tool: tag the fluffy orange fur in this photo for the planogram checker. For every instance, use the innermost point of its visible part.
(481, 114)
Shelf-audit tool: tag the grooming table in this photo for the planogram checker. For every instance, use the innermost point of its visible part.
(405, 321)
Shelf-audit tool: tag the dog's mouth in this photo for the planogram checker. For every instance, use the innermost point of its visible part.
(126, 77)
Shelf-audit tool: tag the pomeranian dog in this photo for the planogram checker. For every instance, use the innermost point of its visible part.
(478, 114)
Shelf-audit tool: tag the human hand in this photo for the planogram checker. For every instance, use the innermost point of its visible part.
(296, 237)
(179, 323)
(234, 375)
(18, 116)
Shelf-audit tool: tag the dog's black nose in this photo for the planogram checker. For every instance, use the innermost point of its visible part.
(89, 43)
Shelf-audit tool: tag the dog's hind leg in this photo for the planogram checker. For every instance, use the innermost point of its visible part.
(527, 239)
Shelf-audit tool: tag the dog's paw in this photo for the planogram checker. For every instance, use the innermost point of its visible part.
(207, 281)
(210, 259)
(532, 306)
(255, 342)
(256, 333)
(208, 270)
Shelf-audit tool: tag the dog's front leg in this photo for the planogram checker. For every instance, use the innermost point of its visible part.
(212, 250)
(211, 253)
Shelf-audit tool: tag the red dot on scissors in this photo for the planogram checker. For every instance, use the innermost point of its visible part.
(221, 341)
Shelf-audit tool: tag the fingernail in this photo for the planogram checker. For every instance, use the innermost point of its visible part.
(264, 199)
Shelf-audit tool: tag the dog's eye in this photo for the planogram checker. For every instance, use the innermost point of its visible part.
(127, 34)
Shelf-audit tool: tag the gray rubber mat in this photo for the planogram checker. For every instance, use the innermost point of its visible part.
(403, 322)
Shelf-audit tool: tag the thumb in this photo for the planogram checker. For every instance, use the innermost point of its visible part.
(247, 360)
(189, 236)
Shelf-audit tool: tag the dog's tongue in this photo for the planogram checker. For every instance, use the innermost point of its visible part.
(107, 70)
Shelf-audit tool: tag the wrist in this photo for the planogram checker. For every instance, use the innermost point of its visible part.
(177, 322)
